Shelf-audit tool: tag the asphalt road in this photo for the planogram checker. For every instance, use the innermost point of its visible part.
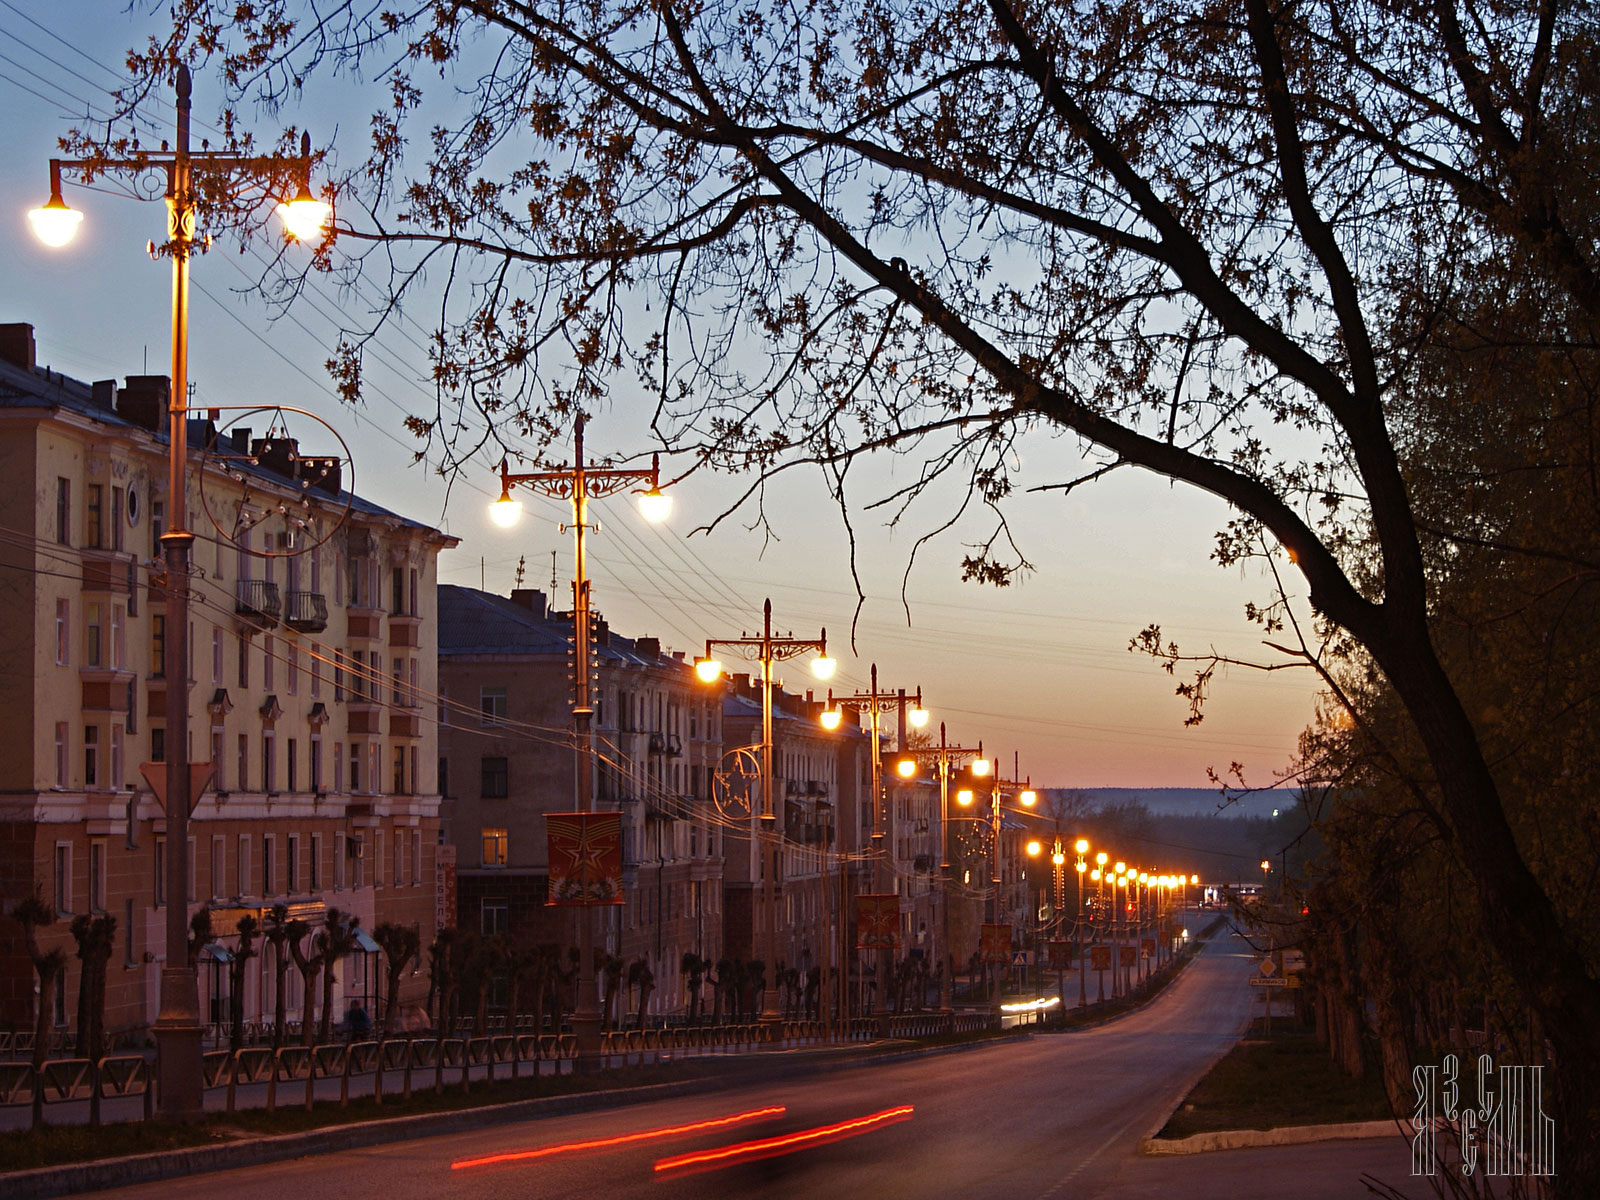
(1046, 1117)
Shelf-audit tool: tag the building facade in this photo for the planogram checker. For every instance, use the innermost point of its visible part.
(506, 758)
(312, 654)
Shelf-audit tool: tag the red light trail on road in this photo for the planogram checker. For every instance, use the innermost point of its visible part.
(786, 1143)
(755, 1114)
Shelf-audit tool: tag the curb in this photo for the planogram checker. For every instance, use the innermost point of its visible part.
(1289, 1135)
(41, 1183)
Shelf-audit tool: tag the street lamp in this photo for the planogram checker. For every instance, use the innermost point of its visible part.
(177, 781)
(944, 759)
(579, 484)
(965, 798)
(1080, 848)
(767, 649)
(873, 704)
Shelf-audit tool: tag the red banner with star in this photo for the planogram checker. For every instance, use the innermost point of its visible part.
(877, 922)
(1100, 957)
(994, 942)
(1061, 954)
(585, 858)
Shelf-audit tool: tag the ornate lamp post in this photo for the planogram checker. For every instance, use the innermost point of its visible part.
(873, 703)
(944, 759)
(1080, 848)
(177, 781)
(1027, 798)
(766, 648)
(579, 484)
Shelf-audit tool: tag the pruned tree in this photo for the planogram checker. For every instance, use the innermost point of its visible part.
(695, 969)
(244, 950)
(96, 939)
(33, 914)
(276, 933)
(1201, 242)
(400, 944)
(297, 934)
(334, 941)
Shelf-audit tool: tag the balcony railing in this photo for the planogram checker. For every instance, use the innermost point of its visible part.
(308, 612)
(258, 599)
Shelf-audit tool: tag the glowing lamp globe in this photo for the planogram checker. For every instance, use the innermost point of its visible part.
(919, 716)
(980, 767)
(1029, 798)
(55, 224)
(505, 512)
(655, 505)
(305, 218)
(964, 797)
(708, 669)
(823, 667)
(907, 767)
(831, 718)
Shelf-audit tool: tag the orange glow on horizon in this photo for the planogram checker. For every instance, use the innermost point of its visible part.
(784, 1143)
(754, 1114)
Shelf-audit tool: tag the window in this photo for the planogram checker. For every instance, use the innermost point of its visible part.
(291, 766)
(94, 516)
(339, 852)
(62, 766)
(219, 873)
(413, 609)
(160, 880)
(130, 952)
(64, 511)
(318, 650)
(496, 782)
(355, 766)
(495, 845)
(91, 756)
(268, 651)
(219, 776)
(377, 858)
(494, 917)
(118, 649)
(244, 864)
(291, 861)
(399, 858)
(216, 657)
(338, 765)
(97, 876)
(400, 771)
(243, 782)
(94, 617)
(63, 880)
(398, 696)
(416, 856)
(158, 526)
(158, 645)
(244, 662)
(269, 761)
(63, 632)
(115, 780)
(397, 591)
(316, 762)
(492, 706)
(269, 874)
(315, 876)
(116, 518)
(158, 743)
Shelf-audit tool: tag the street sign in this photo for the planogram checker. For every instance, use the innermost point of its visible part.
(1022, 958)
(1267, 967)
(1274, 981)
(1294, 960)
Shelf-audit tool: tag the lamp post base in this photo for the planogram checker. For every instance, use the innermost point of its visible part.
(179, 1076)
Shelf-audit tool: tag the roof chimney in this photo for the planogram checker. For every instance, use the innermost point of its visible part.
(16, 345)
(647, 647)
(531, 599)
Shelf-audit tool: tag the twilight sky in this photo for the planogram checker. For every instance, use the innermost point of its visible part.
(1040, 670)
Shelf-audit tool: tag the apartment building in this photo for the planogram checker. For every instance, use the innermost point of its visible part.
(312, 651)
(506, 759)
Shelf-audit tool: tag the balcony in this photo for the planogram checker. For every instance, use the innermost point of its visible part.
(668, 744)
(258, 600)
(308, 612)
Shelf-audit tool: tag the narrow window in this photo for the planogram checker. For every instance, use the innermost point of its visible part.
(64, 511)
(94, 516)
(63, 632)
